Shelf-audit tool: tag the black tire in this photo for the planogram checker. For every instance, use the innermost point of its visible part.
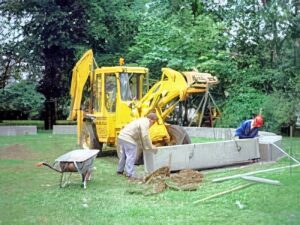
(178, 135)
(89, 139)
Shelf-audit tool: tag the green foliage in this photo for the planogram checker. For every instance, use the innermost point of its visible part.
(278, 111)
(23, 98)
(38, 123)
(111, 28)
(54, 34)
(223, 67)
(241, 104)
(176, 39)
(263, 58)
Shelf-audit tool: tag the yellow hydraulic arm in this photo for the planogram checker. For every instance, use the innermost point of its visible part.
(81, 72)
(164, 96)
(171, 86)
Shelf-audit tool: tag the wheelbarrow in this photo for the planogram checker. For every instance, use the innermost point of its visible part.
(80, 160)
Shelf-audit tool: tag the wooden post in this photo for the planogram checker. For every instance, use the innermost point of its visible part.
(223, 193)
(261, 180)
(203, 108)
(291, 131)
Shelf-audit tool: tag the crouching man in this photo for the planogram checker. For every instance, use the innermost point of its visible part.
(132, 135)
(249, 128)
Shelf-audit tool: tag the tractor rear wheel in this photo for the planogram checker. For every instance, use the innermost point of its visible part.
(178, 135)
(88, 139)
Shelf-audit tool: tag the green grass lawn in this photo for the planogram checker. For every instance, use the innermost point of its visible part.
(31, 195)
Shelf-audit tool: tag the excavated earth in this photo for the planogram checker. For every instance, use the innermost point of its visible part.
(184, 180)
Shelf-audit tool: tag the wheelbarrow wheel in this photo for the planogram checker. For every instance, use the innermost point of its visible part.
(88, 139)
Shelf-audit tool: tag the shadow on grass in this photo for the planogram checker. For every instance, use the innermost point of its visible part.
(106, 153)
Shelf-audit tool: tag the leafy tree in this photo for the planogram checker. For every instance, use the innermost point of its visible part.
(22, 100)
(49, 30)
(111, 28)
(10, 59)
(261, 38)
(55, 33)
(175, 34)
(278, 109)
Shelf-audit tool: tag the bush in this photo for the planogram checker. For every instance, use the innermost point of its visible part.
(240, 106)
(21, 101)
(279, 112)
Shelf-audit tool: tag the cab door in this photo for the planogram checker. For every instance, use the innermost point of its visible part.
(110, 105)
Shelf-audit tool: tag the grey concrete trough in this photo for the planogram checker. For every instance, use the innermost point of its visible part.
(206, 132)
(266, 140)
(64, 129)
(17, 130)
(214, 154)
(202, 155)
(267, 150)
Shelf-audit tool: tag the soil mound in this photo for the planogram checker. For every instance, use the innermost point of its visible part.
(184, 180)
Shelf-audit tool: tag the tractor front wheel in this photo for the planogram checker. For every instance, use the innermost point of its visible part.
(178, 135)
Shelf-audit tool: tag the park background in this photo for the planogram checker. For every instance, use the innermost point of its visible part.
(253, 47)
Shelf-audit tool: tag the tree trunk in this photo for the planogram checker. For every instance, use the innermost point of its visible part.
(50, 114)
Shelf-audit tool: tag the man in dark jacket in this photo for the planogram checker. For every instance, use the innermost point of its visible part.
(249, 128)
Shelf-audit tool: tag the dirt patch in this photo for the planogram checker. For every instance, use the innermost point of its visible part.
(184, 180)
(16, 151)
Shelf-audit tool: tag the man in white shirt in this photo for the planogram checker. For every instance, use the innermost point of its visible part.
(134, 134)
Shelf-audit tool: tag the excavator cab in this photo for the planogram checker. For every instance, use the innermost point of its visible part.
(114, 91)
(103, 100)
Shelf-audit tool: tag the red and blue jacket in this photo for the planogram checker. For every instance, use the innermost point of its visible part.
(245, 131)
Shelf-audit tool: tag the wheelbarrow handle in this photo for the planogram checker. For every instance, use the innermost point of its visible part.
(47, 164)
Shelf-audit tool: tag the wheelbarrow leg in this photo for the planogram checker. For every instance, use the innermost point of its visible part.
(64, 179)
(84, 180)
(61, 180)
(86, 177)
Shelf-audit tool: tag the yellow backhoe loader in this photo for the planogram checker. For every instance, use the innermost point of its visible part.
(105, 99)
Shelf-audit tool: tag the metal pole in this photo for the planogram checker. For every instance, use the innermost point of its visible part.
(197, 110)
(203, 107)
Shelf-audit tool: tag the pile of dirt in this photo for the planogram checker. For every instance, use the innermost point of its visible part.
(16, 151)
(157, 179)
(184, 180)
